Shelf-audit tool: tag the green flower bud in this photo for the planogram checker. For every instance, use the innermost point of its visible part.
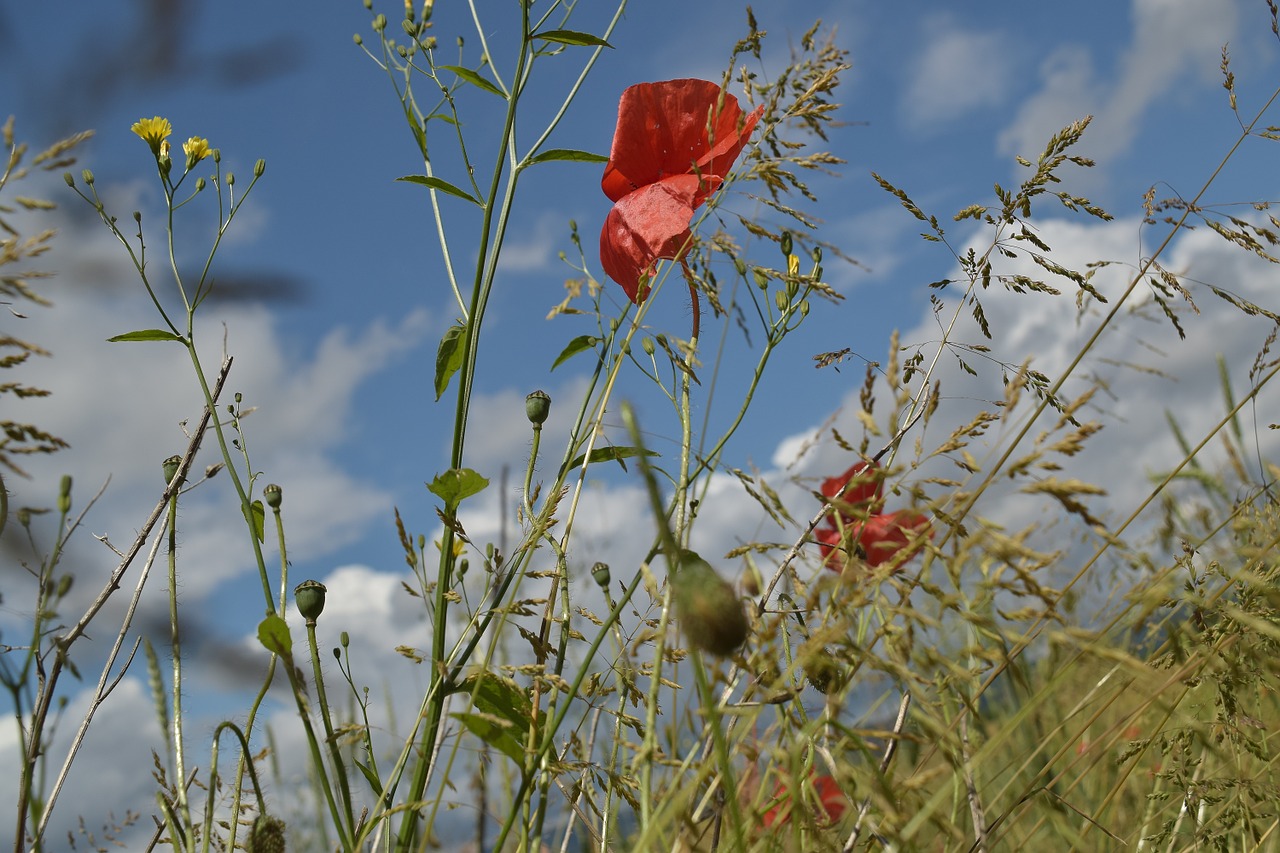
(309, 597)
(780, 299)
(537, 406)
(273, 495)
(379, 23)
(740, 266)
(804, 308)
(401, 51)
(266, 836)
(600, 571)
(64, 585)
(648, 346)
(24, 516)
(344, 639)
(217, 155)
(259, 167)
(358, 40)
(170, 468)
(762, 280)
(66, 176)
(786, 243)
(709, 611)
(199, 184)
(64, 495)
(817, 254)
(824, 673)
(231, 179)
(87, 176)
(137, 216)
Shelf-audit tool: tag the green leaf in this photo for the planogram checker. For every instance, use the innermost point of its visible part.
(449, 356)
(614, 453)
(148, 335)
(496, 733)
(473, 78)
(456, 485)
(567, 154)
(274, 635)
(257, 518)
(372, 778)
(572, 37)
(442, 185)
(577, 345)
(498, 696)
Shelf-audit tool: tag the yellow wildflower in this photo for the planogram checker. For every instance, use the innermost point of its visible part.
(153, 131)
(196, 148)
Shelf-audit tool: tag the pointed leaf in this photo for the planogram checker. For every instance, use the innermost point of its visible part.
(442, 185)
(473, 78)
(572, 37)
(567, 154)
(274, 635)
(372, 778)
(449, 356)
(256, 515)
(615, 453)
(494, 733)
(498, 696)
(577, 345)
(456, 485)
(147, 335)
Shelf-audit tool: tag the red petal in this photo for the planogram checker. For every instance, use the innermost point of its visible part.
(648, 224)
(662, 131)
(865, 485)
(883, 536)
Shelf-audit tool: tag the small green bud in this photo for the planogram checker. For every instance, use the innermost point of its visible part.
(709, 611)
(648, 346)
(170, 468)
(400, 49)
(780, 299)
(740, 266)
(137, 216)
(804, 308)
(409, 27)
(199, 184)
(337, 653)
(24, 516)
(537, 406)
(273, 495)
(344, 639)
(463, 565)
(762, 280)
(259, 167)
(231, 179)
(824, 673)
(239, 398)
(64, 585)
(66, 176)
(64, 494)
(368, 4)
(217, 155)
(600, 571)
(358, 40)
(309, 597)
(87, 176)
(379, 23)
(626, 348)
(662, 340)
(817, 254)
(266, 836)
(786, 244)
(816, 275)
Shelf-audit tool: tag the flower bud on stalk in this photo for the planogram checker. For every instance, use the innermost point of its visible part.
(709, 611)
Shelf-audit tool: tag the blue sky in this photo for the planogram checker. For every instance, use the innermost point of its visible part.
(338, 359)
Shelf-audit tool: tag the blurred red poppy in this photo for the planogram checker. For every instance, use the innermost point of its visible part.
(831, 800)
(674, 144)
(875, 537)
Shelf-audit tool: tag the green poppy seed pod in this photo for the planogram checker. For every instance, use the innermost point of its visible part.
(266, 836)
(786, 244)
(273, 495)
(259, 167)
(64, 586)
(600, 571)
(709, 611)
(64, 494)
(648, 345)
(66, 176)
(87, 176)
(537, 406)
(170, 468)
(309, 597)
(344, 639)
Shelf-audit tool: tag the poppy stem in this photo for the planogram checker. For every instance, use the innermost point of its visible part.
(693, 298)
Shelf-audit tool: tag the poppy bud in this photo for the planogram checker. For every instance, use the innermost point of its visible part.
(273, 495)
(171, 468)
(267, 835)
(709, 611)
(537, 406)
(600, 571)
(64, 495)
(786, 244)
(309, 597)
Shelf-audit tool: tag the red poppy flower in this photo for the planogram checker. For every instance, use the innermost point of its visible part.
(674, 144)
(831, 800)
(875, 537)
